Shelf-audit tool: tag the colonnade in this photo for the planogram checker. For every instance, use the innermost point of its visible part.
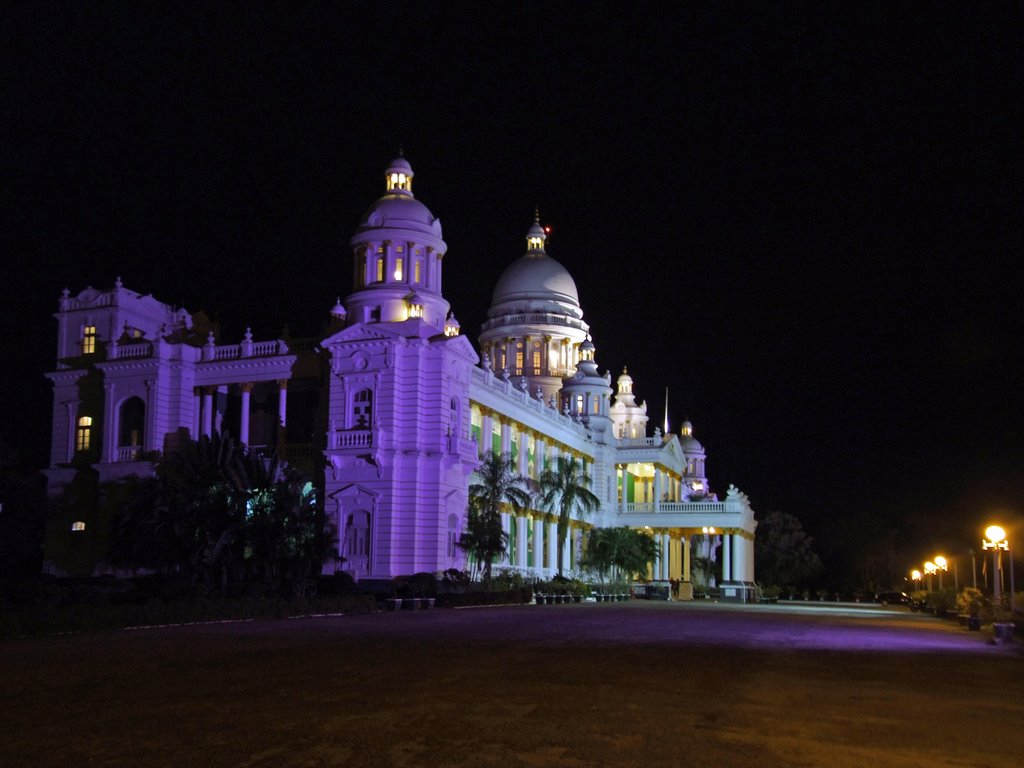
(664, 486)
(205, 419)
(556, 359)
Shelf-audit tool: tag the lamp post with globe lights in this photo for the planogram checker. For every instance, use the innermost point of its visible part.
(995, 539)
(940, 565)
(929, 569)
(916, 576)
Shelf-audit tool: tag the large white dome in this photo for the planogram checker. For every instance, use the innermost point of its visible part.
(532, 279)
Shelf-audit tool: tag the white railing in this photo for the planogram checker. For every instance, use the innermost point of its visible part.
(128, 351)
(245, 349)
(128, 453)
(692, 507)
(533, 318)
(638, 442)
(352, 438)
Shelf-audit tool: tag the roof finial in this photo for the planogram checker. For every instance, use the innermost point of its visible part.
(401, 151)
(536, 214)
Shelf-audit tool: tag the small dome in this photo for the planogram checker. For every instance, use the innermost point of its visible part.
(691, 445)
(398, 208)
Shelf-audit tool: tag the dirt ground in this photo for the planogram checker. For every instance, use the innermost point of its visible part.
(636, 684)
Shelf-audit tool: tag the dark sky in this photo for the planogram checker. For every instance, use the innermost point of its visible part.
(805, 221)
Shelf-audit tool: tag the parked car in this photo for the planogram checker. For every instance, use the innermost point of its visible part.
(892, 598)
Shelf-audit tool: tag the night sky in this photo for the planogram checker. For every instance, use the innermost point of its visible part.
(806, 222)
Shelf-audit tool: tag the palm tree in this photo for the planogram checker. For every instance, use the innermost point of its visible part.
(499, 484)
(565, 490)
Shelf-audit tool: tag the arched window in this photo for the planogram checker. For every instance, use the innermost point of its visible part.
(362, 408)
(356, 546)
(453, 536)
(131, 420)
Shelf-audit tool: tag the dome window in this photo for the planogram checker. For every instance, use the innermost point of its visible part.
(415, 310)
(397, 180)
(398, 268)
(451, 326)
(78, 525)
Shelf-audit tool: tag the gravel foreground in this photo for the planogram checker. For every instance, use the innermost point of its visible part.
(637, 684)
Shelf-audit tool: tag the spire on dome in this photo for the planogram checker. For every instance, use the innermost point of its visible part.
(536, 234)
(398, 177)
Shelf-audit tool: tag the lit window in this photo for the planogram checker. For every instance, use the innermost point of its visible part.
(398, 268)
(519, 363)
(597, 404)
(78, 525)
(415, 310)
(579, 403)
(536, 363)
(88, 339)
(416, 271)
(83, 435)
(362, 408)
(380, 270)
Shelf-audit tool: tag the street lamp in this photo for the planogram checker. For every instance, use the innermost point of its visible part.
(929, 569)
(995, 539)
(916, 576)
(940, 565)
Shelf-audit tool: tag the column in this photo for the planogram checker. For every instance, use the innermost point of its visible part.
(506, 526)
(486, 433)
(538, 456)
(552, 536)
(686, 558)
(666, 555)
(567, 549)
(243, 423)
(506, 436)
(657, 489)
(197, 412)
(524, 452)
(149, 439)
(207, 428)
(282, 401)
(726, 557)
(110, 419)
(522, 533)
(621, 472)
(538, 544)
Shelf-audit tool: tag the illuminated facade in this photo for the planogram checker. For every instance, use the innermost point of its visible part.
(395, 407)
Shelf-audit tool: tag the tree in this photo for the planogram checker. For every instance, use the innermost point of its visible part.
(783, 551)
(621, 551)
(499, 484)
(565, 490)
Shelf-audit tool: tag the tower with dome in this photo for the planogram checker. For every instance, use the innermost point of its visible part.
(392, 409)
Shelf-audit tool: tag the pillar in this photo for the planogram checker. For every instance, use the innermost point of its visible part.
(149, 436)
(521, 537)
(567, 550)
(657, 489)
(726, 557)
(486, 433)
(739, 558)
(506, 437)
(686, 559)
(524, 452)
(552, 536)
(538, 543)
(666, 555)
(538, 457)
(110, 419)
(207, 428)
(243, 423)
(282, 402)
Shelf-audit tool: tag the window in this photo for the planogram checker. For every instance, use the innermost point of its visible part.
(519, 363)
(536, 363)
(362, 408)
(78, 525)
(398, 266)
(83, 435)
(453, 536)
(380, 269)
(88, 339)
(416, 267)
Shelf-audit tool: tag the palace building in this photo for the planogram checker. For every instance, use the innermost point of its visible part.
(392, 408)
